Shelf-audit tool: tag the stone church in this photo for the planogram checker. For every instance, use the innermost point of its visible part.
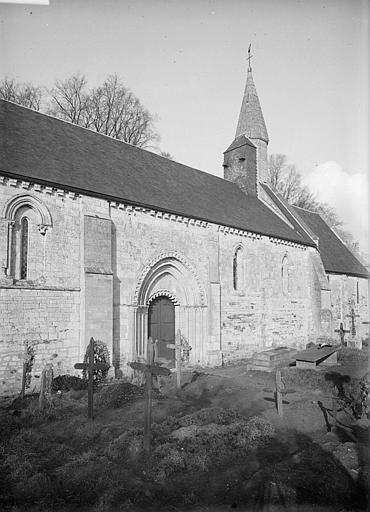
(100, 238)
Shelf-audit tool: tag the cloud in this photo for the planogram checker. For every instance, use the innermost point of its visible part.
(347, 194)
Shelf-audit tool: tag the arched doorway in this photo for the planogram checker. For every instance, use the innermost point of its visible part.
(161, 326)
(182, 305)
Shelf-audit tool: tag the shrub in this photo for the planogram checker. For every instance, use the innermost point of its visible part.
(127, 446)
(101, 355)
(118, 394)
(82, 480)
(204, 440)
(68, 382)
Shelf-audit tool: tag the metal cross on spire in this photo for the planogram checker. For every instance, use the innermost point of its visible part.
(249, 57)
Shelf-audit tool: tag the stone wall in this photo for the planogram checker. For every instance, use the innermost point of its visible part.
(40, 315)
(262, 313)
(44, 322)
(349, 293)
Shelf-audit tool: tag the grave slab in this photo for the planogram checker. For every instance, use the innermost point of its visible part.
(312, 357)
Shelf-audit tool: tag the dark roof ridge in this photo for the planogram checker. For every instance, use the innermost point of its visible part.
(107, 136)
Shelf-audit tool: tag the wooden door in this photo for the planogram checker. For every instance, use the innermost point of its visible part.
(161, 326)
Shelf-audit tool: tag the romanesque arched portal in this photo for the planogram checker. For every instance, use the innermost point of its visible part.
(171, 276)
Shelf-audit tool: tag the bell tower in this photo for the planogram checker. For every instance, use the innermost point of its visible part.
(248, 167)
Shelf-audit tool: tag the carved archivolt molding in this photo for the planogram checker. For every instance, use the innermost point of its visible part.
(168, 257)
(12, 206)
(164, 293)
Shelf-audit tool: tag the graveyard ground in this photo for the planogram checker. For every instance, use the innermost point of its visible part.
(218, 446)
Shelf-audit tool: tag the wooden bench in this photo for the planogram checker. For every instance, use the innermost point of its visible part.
(312, 357)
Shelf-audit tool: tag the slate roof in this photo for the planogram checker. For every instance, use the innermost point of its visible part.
(288, 211)
(240, 141)
(40, 148)
(251, 122)
(336, 257)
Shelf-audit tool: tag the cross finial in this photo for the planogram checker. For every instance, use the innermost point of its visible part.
(249, 57)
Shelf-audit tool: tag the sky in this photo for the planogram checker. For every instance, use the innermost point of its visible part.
(186, 62)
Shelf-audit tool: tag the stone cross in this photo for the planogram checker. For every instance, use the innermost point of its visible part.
(47, 376)
(342, 332)
(90, 366)
(149, 369)
(352, 316)
(179, 345)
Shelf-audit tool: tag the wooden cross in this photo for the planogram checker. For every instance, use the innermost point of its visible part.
(352, 316)
(342, 332)
(46, 383)
(149, 369)
(178, 346)
(90, 366)
(279, 390)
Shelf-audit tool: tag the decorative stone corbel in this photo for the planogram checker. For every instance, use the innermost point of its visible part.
(42, 229)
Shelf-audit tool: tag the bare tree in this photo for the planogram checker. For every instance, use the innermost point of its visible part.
(111, 109)
(69, 100)
(25, 94)
(287, 181)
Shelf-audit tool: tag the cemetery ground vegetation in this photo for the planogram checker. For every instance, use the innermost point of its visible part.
(218, 445)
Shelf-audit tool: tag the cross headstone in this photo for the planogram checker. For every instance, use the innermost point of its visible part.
(45, 386)
(24, 378)
(179, 345)
(341, 332)
(352, 316)
(90, 366)
(149, 369)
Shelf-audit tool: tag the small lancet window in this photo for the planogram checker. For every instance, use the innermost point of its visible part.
(285, 275)
(357, 293)
(24, 248)
(237, 269)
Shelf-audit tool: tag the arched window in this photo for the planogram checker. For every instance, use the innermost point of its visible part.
(285, 278)
(357, 293)
(23, 248)
(28, 220)
(238, 274)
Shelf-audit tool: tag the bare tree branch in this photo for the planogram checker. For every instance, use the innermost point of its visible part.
(25, 94)
(287, 181)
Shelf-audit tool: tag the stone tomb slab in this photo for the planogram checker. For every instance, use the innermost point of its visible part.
(270, 359)
(312, 357)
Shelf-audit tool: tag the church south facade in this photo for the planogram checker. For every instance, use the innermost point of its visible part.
(102, 239)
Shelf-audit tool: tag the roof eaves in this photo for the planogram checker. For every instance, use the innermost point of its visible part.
(117, 199)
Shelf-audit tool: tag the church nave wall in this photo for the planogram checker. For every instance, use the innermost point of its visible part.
(40, 281)
(156, 255)
(269, 306)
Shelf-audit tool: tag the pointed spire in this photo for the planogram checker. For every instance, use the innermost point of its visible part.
(251, 122)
